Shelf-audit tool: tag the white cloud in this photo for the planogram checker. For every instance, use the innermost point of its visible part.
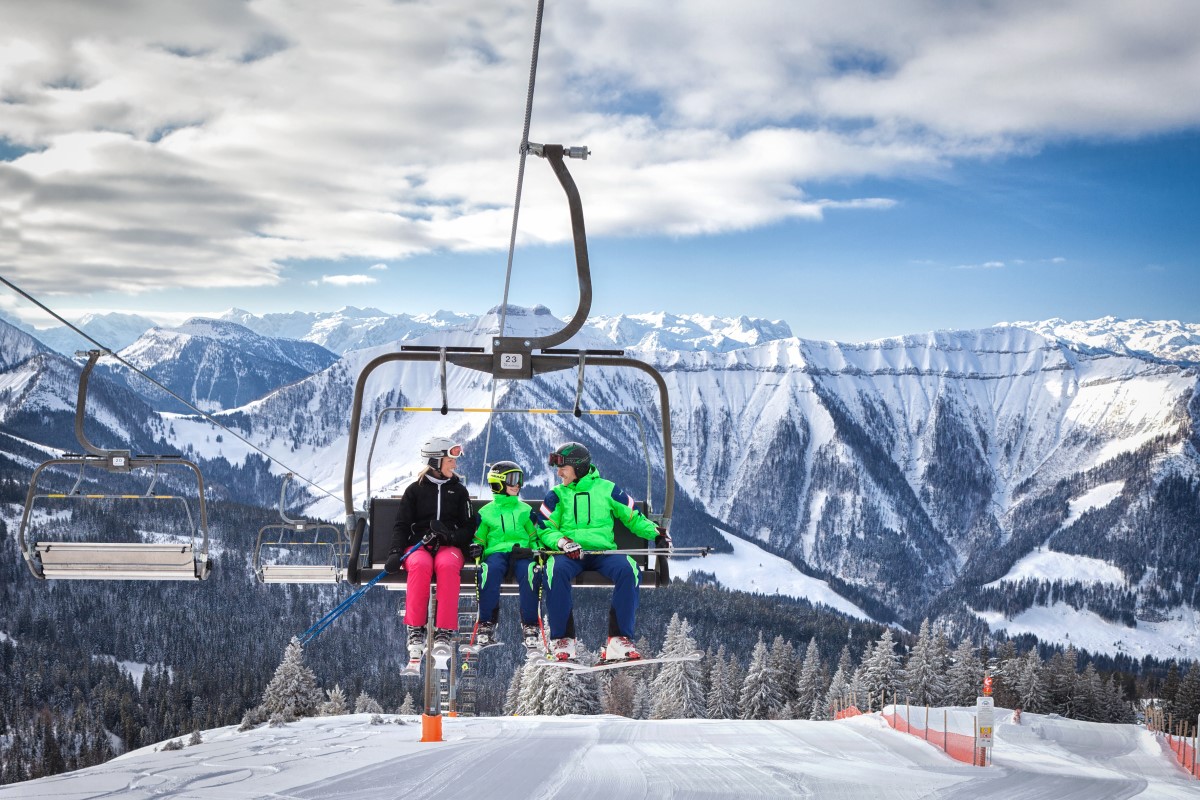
(378, 267)
(210, 144)
(348, 280)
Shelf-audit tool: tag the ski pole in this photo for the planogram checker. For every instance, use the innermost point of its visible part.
(325, 621)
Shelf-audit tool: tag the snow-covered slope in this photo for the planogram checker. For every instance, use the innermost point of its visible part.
(515, 758)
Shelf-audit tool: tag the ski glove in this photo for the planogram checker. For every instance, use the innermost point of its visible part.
(570, 549)
(475, 551)
(441, 532)
(663, 539)
(393, 560)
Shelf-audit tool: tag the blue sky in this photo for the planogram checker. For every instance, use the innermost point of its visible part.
(859, 170)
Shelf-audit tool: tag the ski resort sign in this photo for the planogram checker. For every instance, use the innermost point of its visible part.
(985, 716)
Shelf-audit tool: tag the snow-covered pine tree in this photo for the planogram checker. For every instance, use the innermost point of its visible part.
(965, 676)
(292, 692)
(512, 697)
(642, 699)
(407, 708)
(678, 689)
(336, 704)
(1064, 688)
(837, 695)
(714, 708)
(941, 663)
(760, 697)
(782, 663)
(365, 704)
(533, 684)
(879, 673)
(808, 689)
(924, 682)
(1030, 683)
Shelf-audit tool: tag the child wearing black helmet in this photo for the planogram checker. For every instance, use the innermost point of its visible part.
(504, 524)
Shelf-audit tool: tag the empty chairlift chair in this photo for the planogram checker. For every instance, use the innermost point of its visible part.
(184, 557)
(317, 550)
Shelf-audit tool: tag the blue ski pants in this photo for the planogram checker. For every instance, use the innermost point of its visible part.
(621, 570)
(491, 575)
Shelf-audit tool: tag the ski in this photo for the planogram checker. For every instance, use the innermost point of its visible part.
(476, 648)
(606, 665)
(413, 667)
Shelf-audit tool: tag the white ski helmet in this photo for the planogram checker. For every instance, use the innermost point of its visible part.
(438, 447)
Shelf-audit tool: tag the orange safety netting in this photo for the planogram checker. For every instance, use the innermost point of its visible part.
(846, 713)
(1185, 754)
(958, 746)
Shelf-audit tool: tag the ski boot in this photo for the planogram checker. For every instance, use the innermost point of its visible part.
(485, 636)
(532, 639)
(563, 650)
(443, 643)
(619, 648)
(416, 649)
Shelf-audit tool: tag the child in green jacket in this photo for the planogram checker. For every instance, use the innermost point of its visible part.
(504, 524)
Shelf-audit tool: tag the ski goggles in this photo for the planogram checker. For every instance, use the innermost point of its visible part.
(511, 478)
(454, 451)
(558, 460)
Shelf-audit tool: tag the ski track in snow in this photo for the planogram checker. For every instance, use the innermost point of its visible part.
(613, 757)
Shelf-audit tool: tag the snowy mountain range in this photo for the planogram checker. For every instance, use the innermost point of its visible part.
(1039, 477)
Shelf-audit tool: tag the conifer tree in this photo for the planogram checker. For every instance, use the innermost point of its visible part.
(879, 673)
(782, 662)
(336, 704)
(965, 676)
(512, 697)
(760, 697)
(617, 695)
(365, 704)
(1186, 703)
(642, 699)
(533, 683)
(837, 695)
(678, 689)
(808, 689)
(407, 708)
(924, 682)
(1030, 683)
(292, 692)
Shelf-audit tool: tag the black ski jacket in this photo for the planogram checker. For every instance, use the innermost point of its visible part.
(424, 501)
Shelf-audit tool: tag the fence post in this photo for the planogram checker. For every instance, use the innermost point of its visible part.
(945, 730)
(907, 723)
(927, 723)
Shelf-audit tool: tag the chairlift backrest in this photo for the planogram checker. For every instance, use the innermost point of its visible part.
(329, 546)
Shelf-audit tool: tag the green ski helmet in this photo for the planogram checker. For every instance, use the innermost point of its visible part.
(505, 473)
(572, 454)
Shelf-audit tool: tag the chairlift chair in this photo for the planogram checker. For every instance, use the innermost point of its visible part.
(323, 540)
(114, 560)
(511, 358)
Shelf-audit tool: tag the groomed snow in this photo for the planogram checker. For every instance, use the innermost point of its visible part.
(751, 569)
(503, 758)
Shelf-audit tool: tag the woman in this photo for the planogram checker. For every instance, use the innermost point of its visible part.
(436, 509)
(506, 523)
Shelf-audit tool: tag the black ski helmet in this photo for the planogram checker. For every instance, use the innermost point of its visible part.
(572, 454)
(505, 473)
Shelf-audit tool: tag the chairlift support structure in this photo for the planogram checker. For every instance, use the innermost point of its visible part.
(114, 560)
